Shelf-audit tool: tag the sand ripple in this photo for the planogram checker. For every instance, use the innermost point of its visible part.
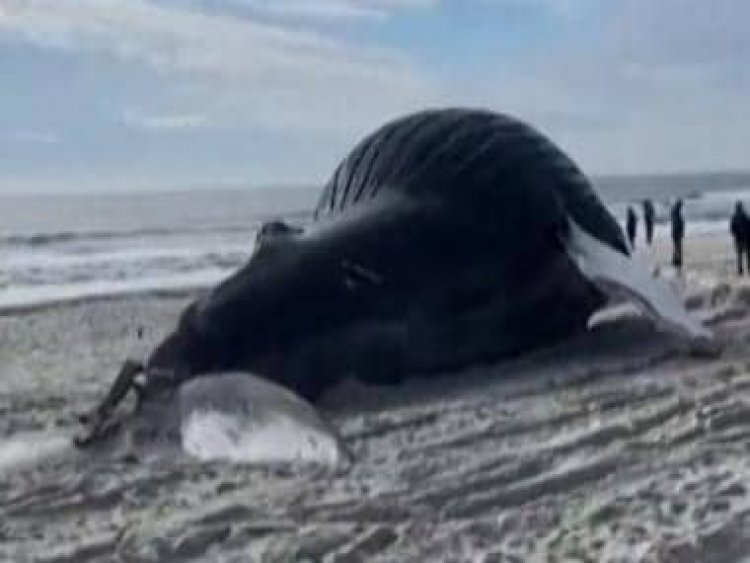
(613, 447)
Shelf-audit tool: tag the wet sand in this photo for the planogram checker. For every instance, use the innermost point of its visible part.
(614, 446)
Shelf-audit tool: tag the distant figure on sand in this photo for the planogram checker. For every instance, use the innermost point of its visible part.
(631, 226)
(648, 219)
(678, 233)
(739, 226)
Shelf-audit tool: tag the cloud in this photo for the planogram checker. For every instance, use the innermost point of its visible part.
(334, 11)
(182, 39)
(642, 86)
(165, 121)
(239, 69)
(172, 38)
(317, 9)
(32, 136)
(624, 86)
(373, 10)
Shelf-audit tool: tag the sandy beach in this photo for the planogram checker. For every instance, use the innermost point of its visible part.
(614, 446)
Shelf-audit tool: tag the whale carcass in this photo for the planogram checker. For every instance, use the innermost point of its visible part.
(445, 238)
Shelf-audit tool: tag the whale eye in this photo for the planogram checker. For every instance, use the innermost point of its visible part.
(356, 275)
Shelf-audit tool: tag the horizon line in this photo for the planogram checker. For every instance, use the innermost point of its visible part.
(154, 189)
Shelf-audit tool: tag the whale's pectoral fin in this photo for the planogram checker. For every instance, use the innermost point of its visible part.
(620, 275)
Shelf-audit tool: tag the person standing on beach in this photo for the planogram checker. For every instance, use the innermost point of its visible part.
(678, 233)
(631, 225)
(739, 226)
(648, 219)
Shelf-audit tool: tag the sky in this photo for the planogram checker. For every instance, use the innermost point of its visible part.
(111, 95)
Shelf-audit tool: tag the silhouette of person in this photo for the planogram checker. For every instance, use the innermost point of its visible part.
(678, 233)
(739, 226)
(649, 215)
(631, 226)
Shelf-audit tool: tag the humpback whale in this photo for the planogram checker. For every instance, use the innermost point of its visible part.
(444, 238)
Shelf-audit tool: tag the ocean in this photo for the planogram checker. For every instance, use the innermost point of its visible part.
(63, 247)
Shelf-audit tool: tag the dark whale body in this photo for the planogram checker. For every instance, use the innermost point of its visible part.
(438, 242)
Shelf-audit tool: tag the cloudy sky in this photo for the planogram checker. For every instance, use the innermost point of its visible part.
(111, 94)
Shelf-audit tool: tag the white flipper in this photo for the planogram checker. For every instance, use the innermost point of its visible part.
(245, 418)
(618, 274)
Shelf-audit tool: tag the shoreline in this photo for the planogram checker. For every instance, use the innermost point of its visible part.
(135, 294)
(713, 250)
